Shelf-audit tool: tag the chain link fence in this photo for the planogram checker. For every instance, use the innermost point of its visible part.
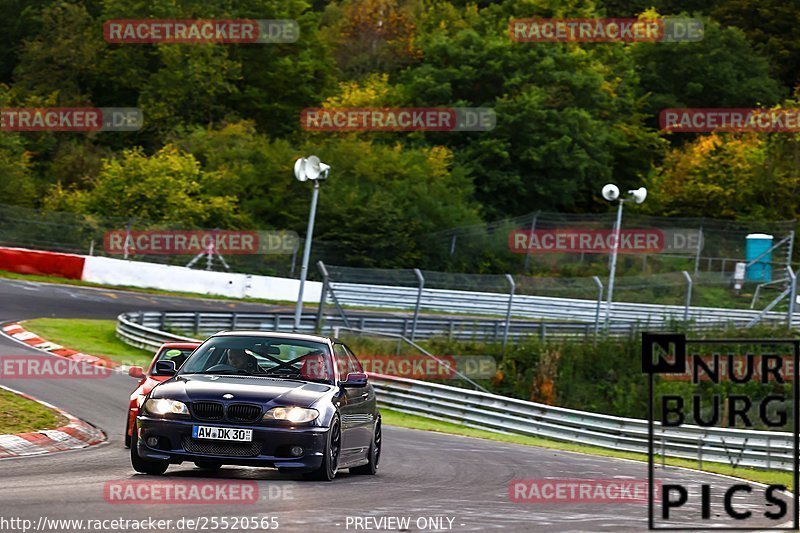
(486, 247)
(642, 277)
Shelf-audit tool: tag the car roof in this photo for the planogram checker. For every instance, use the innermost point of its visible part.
(296, 336)
(181, 344)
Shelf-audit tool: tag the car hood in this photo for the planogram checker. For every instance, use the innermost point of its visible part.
(248, 389)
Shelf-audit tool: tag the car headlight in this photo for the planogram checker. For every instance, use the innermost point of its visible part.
(163, 406)
(296, 415)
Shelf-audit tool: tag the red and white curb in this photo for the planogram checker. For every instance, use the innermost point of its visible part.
(22, 335)
(77, 434)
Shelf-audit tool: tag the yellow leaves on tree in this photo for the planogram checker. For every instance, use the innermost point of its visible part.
(375, 35)
(729, 176)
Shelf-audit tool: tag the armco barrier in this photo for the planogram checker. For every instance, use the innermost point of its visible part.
(464, 328)
(542, 307)
(754, 449)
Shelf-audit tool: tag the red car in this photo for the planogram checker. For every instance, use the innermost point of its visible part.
(170, 351)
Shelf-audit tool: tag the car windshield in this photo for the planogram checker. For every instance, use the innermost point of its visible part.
(262, 356)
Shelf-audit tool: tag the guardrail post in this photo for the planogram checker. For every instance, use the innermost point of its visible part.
(699, 454)
(699, 246)
(688, 296)
(161, 320)
(324, 296)
(768, 453)
(599, 304)
(234, 320)
(510, 304)
(421, 280)
(197, 323)
(792, 297)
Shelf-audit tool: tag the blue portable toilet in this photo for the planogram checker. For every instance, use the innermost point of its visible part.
(757, 244)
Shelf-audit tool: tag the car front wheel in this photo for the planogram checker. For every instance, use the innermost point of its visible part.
(140, 464)
(330, 459)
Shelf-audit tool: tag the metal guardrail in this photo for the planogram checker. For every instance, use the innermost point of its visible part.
(755, 449)
(539, 307)
(746, 448)
(456, 328)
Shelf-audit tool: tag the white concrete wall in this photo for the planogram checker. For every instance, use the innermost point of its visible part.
(176, 278)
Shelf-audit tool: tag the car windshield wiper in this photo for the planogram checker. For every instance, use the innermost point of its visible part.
(294, 378)
(229, 372)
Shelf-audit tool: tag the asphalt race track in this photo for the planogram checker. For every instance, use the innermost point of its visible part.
(421, 475)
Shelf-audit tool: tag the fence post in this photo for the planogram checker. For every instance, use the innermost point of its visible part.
(294, 258)
(599, 304)
(421, 279)
(533, 228)
(699, 247)
(453, 244)
(792, 297)
(688, 296)
(510, 304)
(323, 296)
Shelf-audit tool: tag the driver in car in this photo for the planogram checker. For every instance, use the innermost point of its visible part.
(242, 360)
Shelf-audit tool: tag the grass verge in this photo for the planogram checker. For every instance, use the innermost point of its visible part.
(94, 337)
(19, 415)
(396, 418)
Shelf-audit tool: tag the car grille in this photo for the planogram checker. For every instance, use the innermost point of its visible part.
(207, 410)
(231, 449)
(242, 412)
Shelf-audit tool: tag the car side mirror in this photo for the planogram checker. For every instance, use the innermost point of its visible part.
(136, 372)
(165, 368)
(355, 379)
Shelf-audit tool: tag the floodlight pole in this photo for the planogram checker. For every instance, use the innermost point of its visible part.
(306, 253)
(613, 270)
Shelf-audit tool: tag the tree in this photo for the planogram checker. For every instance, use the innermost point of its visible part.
(170, 186)
(376, 204)
(373, 35)
(737, 176)
(568, 116)
(771, 25)
(722, 70)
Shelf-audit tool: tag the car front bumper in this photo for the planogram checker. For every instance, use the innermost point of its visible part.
(270, 446)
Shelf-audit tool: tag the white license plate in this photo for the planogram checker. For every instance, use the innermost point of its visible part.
(232, 434)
